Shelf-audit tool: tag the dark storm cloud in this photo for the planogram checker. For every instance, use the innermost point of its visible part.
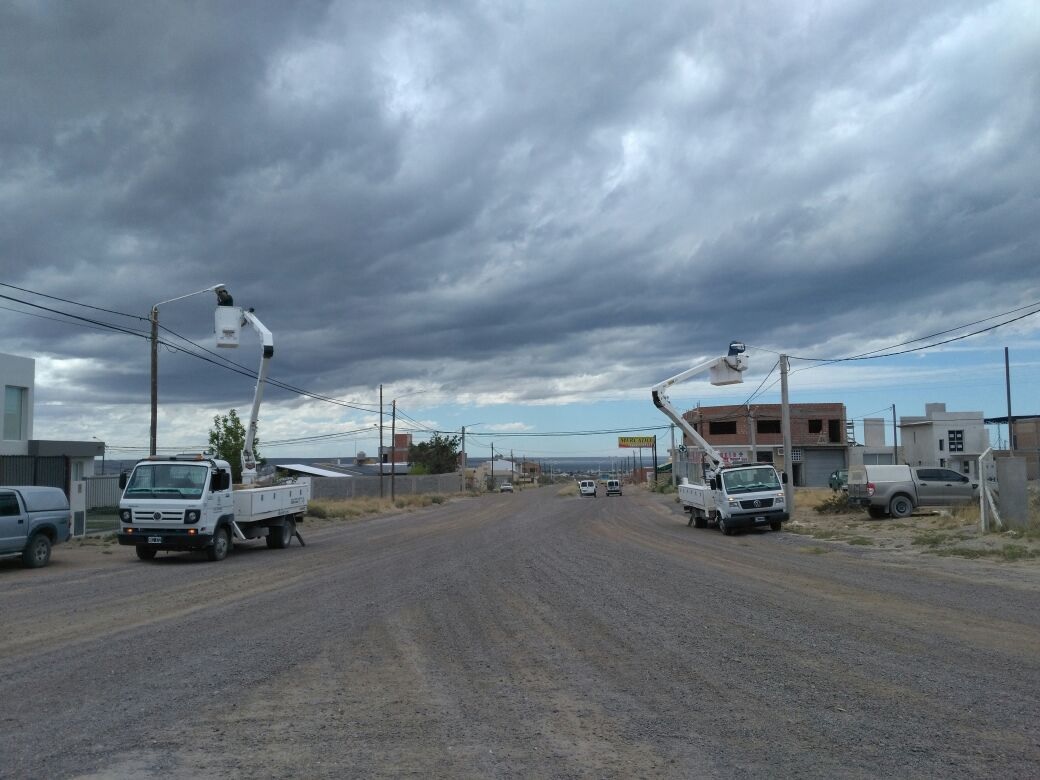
(474, 193)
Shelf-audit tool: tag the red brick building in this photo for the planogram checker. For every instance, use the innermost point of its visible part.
(753, 434)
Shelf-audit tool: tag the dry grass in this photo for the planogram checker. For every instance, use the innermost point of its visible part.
(354, 508)
(952, 532)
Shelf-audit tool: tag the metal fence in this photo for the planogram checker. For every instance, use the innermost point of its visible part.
(46, 471)
(103, 491)
(369, 487)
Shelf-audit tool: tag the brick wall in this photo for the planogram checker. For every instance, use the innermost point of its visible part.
(827, 430)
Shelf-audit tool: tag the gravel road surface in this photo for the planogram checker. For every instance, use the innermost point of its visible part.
(524, 635)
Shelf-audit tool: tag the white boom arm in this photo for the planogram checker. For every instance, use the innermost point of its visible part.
(726, 370)
(248, 457)
(229, 318)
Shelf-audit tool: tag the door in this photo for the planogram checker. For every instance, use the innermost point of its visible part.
(12, 523)
(942, 487)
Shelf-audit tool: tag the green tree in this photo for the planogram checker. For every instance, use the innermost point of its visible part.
(439, 455)
(226, 439)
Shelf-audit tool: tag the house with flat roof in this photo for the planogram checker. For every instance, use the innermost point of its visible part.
(953, 440)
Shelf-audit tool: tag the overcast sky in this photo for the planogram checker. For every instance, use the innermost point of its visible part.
(515, 216)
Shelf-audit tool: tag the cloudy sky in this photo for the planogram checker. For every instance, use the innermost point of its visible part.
(516, 215)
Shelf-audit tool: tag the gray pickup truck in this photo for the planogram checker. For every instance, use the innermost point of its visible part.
(898, 490)
(32, 521)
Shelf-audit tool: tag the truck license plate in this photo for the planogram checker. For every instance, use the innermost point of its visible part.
(154, 540)
(760, 519)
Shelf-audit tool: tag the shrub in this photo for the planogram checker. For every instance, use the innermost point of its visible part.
(837, 504)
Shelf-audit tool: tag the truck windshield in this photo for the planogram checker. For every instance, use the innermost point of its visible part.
(167, 480)
(750, 480)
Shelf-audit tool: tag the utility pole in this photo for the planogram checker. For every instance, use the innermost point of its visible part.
(492, 485)
(463, 458)
(751, 433)
(785, 429)
(381, 454)
(674, 453)
(393, 451)
(895, 441)
(1007, 384)
(655, 461)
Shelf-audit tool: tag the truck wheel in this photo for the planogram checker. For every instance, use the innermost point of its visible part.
(37, 552)
(145, 553)
(700, 521)
(279, 537)
(221, 545)
(725, 528)
(776, 525)
(877, 512)
(901, 506)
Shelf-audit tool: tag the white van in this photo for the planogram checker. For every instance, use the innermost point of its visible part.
(613, 487)
(587, 487)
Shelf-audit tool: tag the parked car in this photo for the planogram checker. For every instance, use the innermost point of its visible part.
(898, 490)
(613, 487)
(505, 487)
(32, 520)
(839, 480)
(587, 487)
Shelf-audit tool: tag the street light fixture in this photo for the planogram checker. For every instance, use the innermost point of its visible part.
(155, 359)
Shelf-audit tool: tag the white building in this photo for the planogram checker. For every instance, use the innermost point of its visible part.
(28, 461)
(19, 378)
(953, 440)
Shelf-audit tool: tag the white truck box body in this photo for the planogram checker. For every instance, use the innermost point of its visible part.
(699, 496)
(263, 503)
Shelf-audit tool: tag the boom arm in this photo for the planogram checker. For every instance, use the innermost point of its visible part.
(229, 319)
(248, 456)
(726, 370)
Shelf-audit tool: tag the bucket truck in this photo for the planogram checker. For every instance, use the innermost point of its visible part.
(187, 502)
(732, 497)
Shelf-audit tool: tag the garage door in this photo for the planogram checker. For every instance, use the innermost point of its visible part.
(819, 464)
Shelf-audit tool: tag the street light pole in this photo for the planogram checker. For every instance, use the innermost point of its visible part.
(153, 422)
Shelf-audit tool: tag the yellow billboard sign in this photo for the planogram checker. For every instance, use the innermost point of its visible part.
(635, 441)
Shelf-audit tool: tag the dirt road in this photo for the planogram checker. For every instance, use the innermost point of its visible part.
(525, 635)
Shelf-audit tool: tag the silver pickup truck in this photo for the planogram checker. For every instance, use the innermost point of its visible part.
(898, 490)
(33, 520)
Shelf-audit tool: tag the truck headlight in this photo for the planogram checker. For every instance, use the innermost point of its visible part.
(125, 515)
(191, 516)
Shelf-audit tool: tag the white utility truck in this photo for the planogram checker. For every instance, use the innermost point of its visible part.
(732, 497)
(187, 502)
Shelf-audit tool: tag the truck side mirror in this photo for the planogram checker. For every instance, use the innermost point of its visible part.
(713, 483)
(124, 477)
(221, 481)
(783, 477)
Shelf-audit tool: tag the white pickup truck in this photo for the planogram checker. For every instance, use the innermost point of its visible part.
(187, 502)
(737, 497)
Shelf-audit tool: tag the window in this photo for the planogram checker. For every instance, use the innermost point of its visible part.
(815, 426)
(767, 426)
(9, 505)
(722, 427)
(956, 440)
(940, 445)
(14, 412)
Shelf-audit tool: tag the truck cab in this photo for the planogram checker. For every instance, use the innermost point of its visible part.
(175, 503)
(737, 497)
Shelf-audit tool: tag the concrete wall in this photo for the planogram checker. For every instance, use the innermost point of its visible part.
(19, 372)
(368, 487)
